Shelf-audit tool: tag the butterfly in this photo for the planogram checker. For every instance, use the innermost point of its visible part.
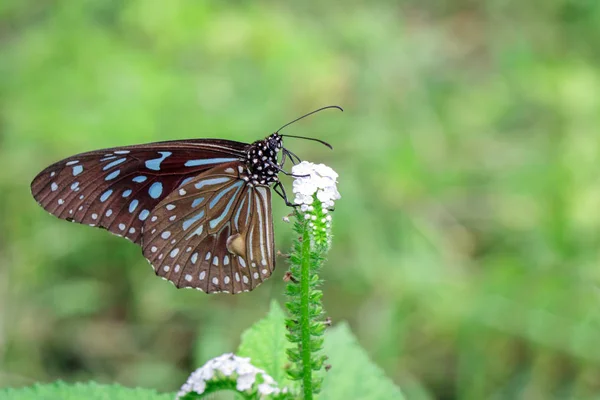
(200, 209)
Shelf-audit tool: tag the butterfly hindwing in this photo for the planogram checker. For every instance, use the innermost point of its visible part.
(215, 233)
(117, 188)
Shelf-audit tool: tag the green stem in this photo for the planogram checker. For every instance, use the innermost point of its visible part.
(305, 315)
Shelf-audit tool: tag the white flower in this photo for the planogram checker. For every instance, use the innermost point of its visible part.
(238, 369)
(245, 382)
(314, 179)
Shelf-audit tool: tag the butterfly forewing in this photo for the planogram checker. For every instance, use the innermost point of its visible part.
(117, 188)
(214, 233)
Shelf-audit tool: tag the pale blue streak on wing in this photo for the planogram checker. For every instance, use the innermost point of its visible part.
(236, 219)
(114, 163)
(133, 205)
(143, 215)
(211, 181)
(197, 232)
(213, 223)
(186, 180)
(222, 193)
(155, 190)
(208, 161)
(155, 163)
(248, 212)
(196, 202)
(113, 175)
(188, 222)
(139, 179)
(105, 195)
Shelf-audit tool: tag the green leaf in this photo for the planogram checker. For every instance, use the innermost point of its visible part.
(265, 343)
(89, 391)
(353, 375)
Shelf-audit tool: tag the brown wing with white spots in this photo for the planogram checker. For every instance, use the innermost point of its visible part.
(117, 188)
(215, 233)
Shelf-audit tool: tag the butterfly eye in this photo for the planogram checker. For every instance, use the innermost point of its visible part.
(274, 143)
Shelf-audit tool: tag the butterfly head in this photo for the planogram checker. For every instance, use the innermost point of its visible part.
(275, 142)
(261, 160)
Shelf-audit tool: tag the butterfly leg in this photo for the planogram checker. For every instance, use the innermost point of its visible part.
(285, 172)
(280, 190)
(283, 159)
(291, 155)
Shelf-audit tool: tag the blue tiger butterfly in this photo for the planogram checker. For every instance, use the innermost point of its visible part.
(200, 209)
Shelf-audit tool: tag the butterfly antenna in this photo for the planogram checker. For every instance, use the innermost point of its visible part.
(304, 116)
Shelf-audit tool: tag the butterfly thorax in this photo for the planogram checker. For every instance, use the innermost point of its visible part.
(261, 160)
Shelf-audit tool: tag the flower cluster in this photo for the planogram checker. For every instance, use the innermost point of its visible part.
(315, 187)
(232, 369)
(314, 179)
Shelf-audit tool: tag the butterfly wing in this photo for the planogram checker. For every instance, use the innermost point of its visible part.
(117, 188)
(215, 233)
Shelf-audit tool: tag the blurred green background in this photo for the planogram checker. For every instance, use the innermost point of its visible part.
(466, 254)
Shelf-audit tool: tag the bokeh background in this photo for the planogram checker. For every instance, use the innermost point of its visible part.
(467, 242)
